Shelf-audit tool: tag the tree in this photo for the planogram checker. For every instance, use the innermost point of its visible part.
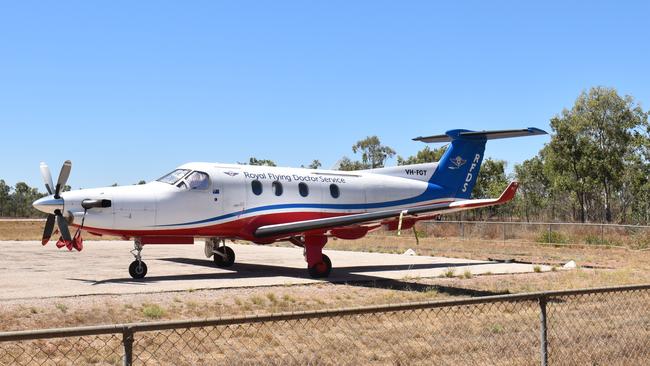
(315, 164)
(534, 186)
(590, 143)
(142, 182)
(373, 153)
(5, 198)
(347, 164)
(255, 161)
(425, 155)
(22, 198)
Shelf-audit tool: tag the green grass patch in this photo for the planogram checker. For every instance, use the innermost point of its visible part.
(153, 311)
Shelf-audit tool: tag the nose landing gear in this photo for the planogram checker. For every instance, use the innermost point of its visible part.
(137, 269)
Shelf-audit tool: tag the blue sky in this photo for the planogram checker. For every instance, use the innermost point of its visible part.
(130, 89)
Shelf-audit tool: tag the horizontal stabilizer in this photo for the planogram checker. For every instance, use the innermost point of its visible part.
(481, 135)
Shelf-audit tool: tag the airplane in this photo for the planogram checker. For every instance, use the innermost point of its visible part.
(263, 205)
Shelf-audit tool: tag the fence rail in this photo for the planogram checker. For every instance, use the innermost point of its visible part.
(557, 233)
(589, 326)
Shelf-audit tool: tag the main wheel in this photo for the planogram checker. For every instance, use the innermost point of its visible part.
(229, 259)
(322, 269)
(138, 269)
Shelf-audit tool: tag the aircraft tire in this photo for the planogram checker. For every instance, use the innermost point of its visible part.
(222, 262)
(138, 270)
(321, 270)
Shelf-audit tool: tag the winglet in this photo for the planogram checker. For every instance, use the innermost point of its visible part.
(509, 192)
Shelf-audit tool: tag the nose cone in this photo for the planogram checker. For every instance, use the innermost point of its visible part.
(48, 204)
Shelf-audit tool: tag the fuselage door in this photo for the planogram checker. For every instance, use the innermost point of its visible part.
(229, 188)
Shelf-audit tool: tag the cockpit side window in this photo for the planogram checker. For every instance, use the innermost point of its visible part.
(198, 181)
(174, 177)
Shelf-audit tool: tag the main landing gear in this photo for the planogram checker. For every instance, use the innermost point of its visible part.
(223, 255)
(319, 265)
(137, 269)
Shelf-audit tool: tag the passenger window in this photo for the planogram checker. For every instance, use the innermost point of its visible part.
(277, 188)
(256, 185)
(303, 189)
(334, 191)
(198, 181)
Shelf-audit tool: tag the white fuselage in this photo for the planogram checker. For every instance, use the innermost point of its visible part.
(238, 197)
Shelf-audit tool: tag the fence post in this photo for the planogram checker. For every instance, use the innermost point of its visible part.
(543, 329)
(504, 233)
(549, 233)
(462, 230)
(127, 341)
(602, 234)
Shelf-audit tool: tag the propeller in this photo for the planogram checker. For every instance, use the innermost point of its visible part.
(57, 202)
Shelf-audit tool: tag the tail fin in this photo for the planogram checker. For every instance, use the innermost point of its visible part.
(459, 166)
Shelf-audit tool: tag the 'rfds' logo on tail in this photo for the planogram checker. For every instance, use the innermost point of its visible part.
(469, 176)
(457, 162)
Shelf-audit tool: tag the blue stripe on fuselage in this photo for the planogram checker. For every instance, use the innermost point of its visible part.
(432, 192)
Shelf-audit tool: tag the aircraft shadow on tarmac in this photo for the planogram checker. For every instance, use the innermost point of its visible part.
(340, 275)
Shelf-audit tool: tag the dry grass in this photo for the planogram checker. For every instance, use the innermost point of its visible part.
(582, 329)
(33, 230)
(532, 252)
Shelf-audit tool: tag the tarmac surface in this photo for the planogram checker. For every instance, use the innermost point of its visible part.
(29, 270)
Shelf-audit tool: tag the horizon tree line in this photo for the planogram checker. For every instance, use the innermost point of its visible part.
(595, 168)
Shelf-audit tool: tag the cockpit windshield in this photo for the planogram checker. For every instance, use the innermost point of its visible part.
(174, 176)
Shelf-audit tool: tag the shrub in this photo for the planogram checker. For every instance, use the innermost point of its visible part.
(597, 240)
(153, 311)
(449, 272)
(62, 307)
(551, 237)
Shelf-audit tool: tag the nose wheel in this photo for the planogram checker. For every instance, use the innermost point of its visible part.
(137, 269)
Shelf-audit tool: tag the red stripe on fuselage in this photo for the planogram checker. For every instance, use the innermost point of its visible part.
(242, 228)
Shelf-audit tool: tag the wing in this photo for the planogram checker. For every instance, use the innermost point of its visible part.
(334, 222)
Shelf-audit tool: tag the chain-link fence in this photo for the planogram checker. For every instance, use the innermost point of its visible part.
(605, 326)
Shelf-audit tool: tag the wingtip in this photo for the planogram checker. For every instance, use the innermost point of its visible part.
(537, 131)
(509, 192)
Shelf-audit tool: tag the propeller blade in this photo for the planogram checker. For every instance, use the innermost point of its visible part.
(47, 178)
(49, 227)
(63, 177)
(63, 226)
